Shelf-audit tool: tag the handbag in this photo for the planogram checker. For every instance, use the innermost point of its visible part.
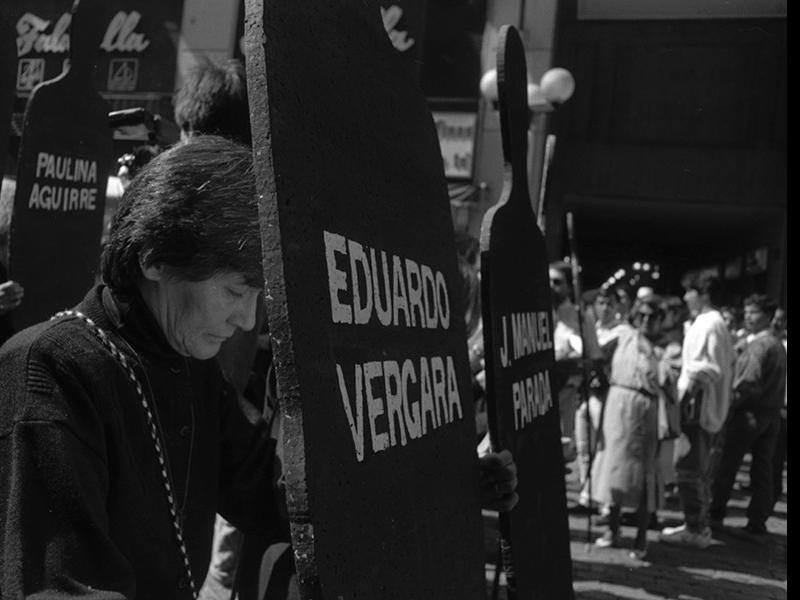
(691, 408)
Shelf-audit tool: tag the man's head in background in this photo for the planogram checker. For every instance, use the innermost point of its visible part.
(759, 311)
(560, 282)
(702, 291)
(213, 100)
(605, 306)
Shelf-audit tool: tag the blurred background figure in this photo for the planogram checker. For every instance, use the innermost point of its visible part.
(468, 254)
(669, 428)
(759, 391)
(213, 100)
(623, 302)
(571, 330)
(626, 476)
(11, 292)
(704, 388)
(601, 305)
(644, 292)
(733, 322)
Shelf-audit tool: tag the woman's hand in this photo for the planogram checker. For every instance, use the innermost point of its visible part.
(11, 294)
(498, 481)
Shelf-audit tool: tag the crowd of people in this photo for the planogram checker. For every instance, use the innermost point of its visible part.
(663, 398)
(657, 396)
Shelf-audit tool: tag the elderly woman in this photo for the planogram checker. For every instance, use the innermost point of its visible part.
(626, 475)
(119, 439)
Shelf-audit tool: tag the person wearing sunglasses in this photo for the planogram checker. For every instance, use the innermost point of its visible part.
(626, 475)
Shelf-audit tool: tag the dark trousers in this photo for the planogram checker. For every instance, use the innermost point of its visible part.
(693, 474)
(757, 433)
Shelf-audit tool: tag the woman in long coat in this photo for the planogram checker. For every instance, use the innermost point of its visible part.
(626, 476)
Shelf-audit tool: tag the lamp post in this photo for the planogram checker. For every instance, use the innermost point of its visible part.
(554, 88)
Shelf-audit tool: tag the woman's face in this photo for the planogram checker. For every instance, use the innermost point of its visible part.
(648, 322)
(197, 316)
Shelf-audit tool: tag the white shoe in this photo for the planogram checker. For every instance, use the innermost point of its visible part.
(683, 536)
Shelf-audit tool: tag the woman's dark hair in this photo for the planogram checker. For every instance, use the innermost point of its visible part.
(213, 100)
(192, 209)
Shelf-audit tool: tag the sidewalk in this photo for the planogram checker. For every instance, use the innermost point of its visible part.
(732, 568)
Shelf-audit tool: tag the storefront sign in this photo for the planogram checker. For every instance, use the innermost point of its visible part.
(391, 18)
(456, 132)
(120, 35)
(518, 345)
(365, 310)
(138, 58)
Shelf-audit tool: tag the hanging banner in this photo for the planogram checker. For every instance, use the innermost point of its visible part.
(138, 50)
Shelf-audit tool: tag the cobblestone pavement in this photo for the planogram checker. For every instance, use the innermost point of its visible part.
(734, 567)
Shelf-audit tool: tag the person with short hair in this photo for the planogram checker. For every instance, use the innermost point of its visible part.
(213, 100)
(705, 380)
(759, 389)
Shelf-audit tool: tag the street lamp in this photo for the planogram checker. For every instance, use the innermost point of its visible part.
(554, 88)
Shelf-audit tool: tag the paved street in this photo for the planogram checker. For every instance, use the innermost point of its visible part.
(732, 568)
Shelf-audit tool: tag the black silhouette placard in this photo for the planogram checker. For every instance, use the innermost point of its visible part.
(64, 161)
(365, 314)
(518, 343)
(8, 65)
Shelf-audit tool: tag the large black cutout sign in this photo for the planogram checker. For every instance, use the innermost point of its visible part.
(65, 156)
(363, 299)
(518, 340)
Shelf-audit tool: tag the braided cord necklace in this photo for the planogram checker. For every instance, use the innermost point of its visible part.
(102, 335)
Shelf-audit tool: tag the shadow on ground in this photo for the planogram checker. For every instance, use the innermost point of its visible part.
(624, 581)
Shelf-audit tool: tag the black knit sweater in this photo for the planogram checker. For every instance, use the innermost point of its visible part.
(82, 505)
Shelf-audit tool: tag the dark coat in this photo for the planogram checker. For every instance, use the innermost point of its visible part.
(83, 505)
